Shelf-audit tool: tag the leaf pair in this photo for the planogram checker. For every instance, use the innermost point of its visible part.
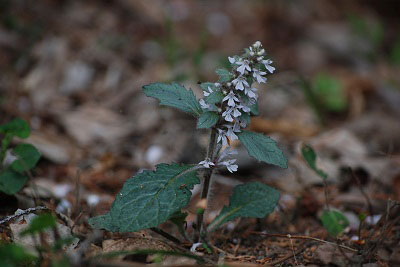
(153, 197)
(12, 178)
(258, 146)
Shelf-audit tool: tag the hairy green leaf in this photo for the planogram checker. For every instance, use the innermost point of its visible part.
(16, 127)
(28, 156)
(215, 97)
(11, 182)
(255, 200)
(149, 198)
(207, 120)
(309, 155)
(262, 148)
(254, 109)
(174, 95)
(334, 222)
(205, 86)
(224, 75)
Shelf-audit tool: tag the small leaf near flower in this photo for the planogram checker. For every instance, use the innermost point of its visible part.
(262, 148)
(207, 120)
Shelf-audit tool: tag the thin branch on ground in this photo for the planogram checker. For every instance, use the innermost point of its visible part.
(287, 257)
(24, 212)
(305, 238)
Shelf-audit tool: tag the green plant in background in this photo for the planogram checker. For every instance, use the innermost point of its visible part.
(15, 255)
(372, 31)
(325, 94)
(332, 220)
(153, 197)
(395, 53)
(13, 174)
(329, 91)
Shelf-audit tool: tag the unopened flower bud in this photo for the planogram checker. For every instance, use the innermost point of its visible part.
(257, 44)
(261, 52)
(251, 53)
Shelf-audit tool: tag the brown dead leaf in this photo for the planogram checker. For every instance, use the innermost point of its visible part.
(136, 243)
(90, 123)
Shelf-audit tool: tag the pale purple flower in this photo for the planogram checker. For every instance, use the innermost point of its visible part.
(236, 112)
(257, 44)
(218, 85)
(229, 165)
(251, 92)
(232, 60)
(236, 126)
(267, 63)
(258, 75)
(203, 104)
(227, 152)
(243, 66)
(244, 108)
(230, 133)
(206, 163)
(240, 83)
(208, 92)
(222, 137)
(227, 114)
(231, 97)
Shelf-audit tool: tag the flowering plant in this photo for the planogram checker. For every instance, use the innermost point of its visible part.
(153, 197)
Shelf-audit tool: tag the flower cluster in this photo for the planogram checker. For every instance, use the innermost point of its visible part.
(238, 95)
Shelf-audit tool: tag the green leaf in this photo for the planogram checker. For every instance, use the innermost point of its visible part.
(255, 200)
(11, 182)
(224, 75)
(28, 157)
(215, 97)
(207, 120)
(334, 222)
(16, 127)
(40, 224)
(309, 155)
(254, 109)
(174, 95)
(262, 148)
(205, 86)
(149, 198)
(103, 221)
(245, 117)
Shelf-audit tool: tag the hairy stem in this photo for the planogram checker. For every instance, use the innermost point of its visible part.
(206, 182)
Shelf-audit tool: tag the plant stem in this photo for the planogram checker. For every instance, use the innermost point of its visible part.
(206, 181)
(165, 234)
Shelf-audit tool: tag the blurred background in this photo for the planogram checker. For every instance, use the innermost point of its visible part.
(74, 70)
